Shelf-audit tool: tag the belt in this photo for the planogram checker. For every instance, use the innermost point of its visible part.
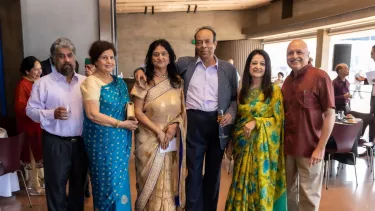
(72, 139)
(209, 113)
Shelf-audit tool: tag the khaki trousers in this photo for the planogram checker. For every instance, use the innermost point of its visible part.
(310, 184)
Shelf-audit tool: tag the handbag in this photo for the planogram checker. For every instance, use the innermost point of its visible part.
(130, 114)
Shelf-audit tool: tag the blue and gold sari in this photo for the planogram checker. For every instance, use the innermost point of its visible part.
(259, 171)
(108, 150)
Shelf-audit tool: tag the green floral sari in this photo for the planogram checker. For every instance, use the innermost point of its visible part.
(259, 171)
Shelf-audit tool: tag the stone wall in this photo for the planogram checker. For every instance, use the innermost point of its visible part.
(135, 32)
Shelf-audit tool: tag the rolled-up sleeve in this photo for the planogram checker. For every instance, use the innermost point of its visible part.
(36, 108)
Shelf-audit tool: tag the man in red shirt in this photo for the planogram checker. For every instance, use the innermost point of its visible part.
(309, 104)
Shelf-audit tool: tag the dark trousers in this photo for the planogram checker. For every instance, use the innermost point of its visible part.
(64, 160)
(202, 192)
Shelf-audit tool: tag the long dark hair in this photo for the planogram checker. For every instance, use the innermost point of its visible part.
(174, 78)
(247, 79)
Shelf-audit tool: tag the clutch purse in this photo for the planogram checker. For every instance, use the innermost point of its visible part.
(130, 114)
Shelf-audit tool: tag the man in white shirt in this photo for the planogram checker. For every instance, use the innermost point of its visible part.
(372, 101)
(359, 78)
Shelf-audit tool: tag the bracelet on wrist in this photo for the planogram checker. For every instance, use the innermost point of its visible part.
(117, 124)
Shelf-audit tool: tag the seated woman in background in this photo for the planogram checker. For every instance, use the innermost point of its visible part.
(160, 109)
(32, 155)
(280, 79)
(341, 88)
(106, 132)
(259, 181)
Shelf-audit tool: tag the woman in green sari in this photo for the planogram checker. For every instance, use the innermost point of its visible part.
(259, 172)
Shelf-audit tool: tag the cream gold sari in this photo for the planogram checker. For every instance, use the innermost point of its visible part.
(160, 176)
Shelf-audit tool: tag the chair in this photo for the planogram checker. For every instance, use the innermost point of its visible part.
(368, 119)
(345, 136)
(10, 154)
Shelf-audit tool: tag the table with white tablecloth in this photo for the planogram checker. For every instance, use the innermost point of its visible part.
(8, 182)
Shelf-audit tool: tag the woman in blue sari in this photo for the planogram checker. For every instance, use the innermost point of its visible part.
(106, 132)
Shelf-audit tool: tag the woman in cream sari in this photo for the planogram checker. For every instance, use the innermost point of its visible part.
(159, 107)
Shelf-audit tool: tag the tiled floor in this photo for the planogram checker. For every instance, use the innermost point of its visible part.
(342, 194)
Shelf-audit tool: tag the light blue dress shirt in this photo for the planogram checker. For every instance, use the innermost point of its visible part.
(50, 92)
(202, 93)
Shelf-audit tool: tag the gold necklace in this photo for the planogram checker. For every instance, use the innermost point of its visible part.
(161, 76)
(105, 79)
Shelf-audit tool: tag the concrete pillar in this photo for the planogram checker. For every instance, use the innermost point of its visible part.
(322, 49)
(107, 23)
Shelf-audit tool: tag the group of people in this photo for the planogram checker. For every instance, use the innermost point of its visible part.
(276, 134)
(186, 113)
(77, 122)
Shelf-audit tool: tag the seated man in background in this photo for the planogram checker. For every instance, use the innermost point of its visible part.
(341, 88)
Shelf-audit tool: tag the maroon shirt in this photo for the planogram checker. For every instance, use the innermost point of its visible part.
(307, 95)
(340, 87)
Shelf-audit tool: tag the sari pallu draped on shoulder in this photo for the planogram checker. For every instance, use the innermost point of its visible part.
(108, 150)
(259, 181)
(160, 176)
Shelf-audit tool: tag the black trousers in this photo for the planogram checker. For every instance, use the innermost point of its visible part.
(64, 160)
(202, 192)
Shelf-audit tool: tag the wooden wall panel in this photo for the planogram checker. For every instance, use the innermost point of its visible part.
(11, 28)
(238, 50)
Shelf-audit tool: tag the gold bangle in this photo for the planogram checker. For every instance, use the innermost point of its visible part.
(117, 123)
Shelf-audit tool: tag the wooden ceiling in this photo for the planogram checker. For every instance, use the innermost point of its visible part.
(138, 6)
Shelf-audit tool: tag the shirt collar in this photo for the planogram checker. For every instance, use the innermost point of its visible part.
(341, 81)
(199, 60)
(300, 72)
(58, 76)
(53, 68)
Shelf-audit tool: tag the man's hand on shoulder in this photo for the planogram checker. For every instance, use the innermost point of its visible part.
(139, 74)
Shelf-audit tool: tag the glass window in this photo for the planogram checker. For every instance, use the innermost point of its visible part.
(360, 63)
